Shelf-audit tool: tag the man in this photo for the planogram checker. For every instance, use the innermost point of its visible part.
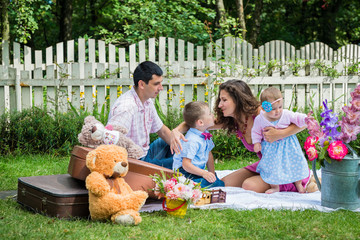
(136, 111)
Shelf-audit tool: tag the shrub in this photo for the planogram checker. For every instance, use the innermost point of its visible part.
(36, 131)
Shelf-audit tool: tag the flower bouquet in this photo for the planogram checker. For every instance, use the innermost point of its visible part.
(177, 192)
(329, 139)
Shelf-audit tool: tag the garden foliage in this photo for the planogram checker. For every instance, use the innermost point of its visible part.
(38, 131)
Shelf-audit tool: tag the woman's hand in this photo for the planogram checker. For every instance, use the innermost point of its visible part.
(175, 144)
(272, 134)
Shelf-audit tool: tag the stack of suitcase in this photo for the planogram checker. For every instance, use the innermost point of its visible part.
(65, 195)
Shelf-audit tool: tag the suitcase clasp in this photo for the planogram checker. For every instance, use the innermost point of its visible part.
(23, 191)
(44, 199)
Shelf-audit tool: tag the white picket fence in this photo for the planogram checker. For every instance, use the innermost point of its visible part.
(89, 73)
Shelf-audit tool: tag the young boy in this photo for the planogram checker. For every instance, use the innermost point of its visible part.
(196, 153)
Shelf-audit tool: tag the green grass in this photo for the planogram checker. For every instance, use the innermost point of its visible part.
(18, 223)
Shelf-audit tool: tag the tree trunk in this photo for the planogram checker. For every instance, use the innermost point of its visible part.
(221, 17)
(254, 33)
(328, 20)
(240, 11)
(5, 27)
(65, 20)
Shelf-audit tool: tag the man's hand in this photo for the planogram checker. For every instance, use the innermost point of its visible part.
(209, 176)
(175, 144)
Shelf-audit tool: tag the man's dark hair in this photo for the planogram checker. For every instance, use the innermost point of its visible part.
(145, 71)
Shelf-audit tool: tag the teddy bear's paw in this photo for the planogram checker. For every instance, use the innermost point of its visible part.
(126, 219)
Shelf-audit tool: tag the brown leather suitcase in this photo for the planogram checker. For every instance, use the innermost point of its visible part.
(54, 195)
(138, 176)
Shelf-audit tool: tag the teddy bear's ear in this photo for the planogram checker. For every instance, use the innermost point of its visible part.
(90, 159)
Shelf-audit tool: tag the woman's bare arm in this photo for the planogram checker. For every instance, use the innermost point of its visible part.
(272, 134)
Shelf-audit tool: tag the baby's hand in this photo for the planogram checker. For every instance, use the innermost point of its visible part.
(257, 147)
(209, 176)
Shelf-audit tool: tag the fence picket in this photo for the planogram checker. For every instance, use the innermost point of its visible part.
(152, 50)
(91, 81)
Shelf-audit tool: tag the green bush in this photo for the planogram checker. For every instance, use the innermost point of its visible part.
(229, 146)
(37, 131)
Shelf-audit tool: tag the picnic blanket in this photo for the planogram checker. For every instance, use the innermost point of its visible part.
(240, 199)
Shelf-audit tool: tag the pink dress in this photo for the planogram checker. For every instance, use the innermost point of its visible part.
(290, 187)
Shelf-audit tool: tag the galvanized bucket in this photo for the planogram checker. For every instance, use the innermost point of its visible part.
(340, 182)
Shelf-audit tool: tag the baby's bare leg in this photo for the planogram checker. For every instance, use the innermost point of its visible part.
(274, 188)
(299, 186)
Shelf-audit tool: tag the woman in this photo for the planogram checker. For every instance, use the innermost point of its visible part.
(236, 108)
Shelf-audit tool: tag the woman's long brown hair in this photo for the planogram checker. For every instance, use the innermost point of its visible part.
(246, 104)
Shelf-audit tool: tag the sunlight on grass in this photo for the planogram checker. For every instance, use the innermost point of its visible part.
(13, 167)
(19, 223)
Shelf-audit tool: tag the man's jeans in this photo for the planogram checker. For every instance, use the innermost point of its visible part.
(159, 154)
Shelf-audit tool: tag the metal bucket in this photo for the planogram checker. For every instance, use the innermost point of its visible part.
(340, 182)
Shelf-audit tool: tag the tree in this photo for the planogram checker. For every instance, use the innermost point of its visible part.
(65, 19)
(221, 14)
(240, 11)
(5, 28)
(253, 34)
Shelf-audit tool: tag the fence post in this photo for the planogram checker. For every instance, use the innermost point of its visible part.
(18, 92)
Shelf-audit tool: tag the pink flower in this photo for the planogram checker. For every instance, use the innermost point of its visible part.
(349, 131)
(169, 184)
(311, 153)
(171, 195)
(356, 92)
(197, 194)
(313, 126)
(337, 150)
(355, 104)
(351, 116)
(310, 142)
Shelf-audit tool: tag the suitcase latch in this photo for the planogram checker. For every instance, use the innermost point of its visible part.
(23, 191)
(44, 200)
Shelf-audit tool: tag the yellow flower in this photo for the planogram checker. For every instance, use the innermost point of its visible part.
(170, 90)
(94, 95)
(68, 99)
(81, 94)
(119, 92)
(181, 92)
(182, 106)
(195, 86)
(206, 75)
(107, 98)
(206, 93)
(182, 84)
(108, 87)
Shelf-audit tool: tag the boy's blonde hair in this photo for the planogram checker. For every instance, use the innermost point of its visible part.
(270, 94)
(193, 111)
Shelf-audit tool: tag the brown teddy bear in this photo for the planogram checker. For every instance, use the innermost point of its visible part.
(94, 133)
(110, 197)
(312, 186)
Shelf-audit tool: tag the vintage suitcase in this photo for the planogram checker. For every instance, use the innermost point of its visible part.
(55, 195)
(137, 177)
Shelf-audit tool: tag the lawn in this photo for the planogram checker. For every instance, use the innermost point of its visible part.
(18, 223)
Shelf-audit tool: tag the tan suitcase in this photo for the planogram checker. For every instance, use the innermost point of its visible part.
(55, 195)
(137, 177)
